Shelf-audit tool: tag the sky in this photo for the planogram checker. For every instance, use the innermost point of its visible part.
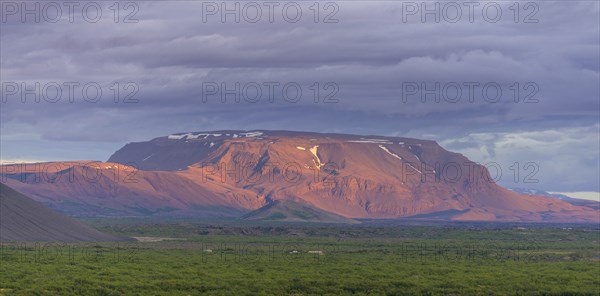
(516, 85)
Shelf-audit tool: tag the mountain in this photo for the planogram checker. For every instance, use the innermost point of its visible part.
(292, 211)
(89, 189)
(229, 173)
(23, 219)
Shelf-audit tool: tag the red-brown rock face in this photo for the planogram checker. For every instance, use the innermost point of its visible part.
(353, 176)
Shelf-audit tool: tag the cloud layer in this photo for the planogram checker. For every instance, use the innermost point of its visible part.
(370, 57)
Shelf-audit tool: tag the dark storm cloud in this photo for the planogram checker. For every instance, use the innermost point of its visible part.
(368, 54)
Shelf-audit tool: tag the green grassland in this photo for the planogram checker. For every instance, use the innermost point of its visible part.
(291, 259)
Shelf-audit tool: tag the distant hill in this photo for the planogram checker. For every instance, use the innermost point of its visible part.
(23, 219)
(574, 201)
(529, 191)
(292, 211)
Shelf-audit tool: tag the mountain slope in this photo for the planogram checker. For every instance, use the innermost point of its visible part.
(23, 219)
(292, 211)
(109, 189)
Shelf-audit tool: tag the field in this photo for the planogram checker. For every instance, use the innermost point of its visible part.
(221, 258)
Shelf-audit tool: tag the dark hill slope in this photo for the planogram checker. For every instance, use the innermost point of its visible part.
(23, 219)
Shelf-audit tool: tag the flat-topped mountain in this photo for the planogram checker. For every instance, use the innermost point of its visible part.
(234, 172)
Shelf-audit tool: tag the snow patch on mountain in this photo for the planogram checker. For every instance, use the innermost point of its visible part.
(371, 141)
(191, 136)
(252, 134)
(314, 151)
(390, 152)
(415, 168)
